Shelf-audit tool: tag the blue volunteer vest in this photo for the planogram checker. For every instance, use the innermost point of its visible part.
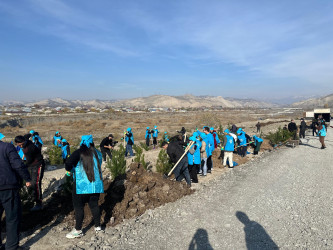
(83, 185)
(230, 145)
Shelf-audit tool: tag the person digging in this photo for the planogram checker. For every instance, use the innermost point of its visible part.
(176, 153)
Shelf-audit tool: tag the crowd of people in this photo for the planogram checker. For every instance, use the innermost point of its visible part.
(190, 152)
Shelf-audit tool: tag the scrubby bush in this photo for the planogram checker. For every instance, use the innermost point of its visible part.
(220, 131)
(163, 164)
(117, 165)
(67, 186)
(54, 154)
(281, 135)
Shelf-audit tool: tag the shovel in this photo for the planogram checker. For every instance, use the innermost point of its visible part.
(186, 150)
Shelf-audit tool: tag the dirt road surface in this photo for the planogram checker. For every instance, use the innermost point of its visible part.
(281, 200)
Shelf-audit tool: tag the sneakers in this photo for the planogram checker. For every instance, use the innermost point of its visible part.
(37, 207)
(74, 234)
(99, 230)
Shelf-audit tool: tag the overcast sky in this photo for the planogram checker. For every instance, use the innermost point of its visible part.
(106, 49)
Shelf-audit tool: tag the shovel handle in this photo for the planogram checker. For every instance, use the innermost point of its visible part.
(187, 149)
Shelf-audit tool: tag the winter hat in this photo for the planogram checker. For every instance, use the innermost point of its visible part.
(111, 135)
(147, 127)
(211, 128)
(227, 131)
(155, 127)
(1, 136)
(86, 140)
(239, 130)
(129, 129)
(32, 131)
(63, 140)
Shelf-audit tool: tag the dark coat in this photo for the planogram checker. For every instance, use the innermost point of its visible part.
(175, 151)
(12, 169)
(33, 154)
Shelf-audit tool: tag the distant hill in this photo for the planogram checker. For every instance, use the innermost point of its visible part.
(154, 101)
(315, 102)
(59, 102)
(187, 101)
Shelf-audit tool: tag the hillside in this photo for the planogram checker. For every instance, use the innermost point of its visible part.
(187, 101)
(315, 102)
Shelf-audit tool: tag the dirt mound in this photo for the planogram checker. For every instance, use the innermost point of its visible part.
(146, 190)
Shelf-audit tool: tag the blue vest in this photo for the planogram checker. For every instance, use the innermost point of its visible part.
(64, 151)
(322, 132)
(230, 145)
(20, 152)
(147, 134)
(257, 139)
(132, 138)
(83, 185)
(209, 144)
(166, 138)
(242, 139)
(155, 134)
(195, 158)
(56, 140)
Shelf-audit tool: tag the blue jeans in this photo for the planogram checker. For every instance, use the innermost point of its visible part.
(181, 171)
(129, 150)
(11, 203)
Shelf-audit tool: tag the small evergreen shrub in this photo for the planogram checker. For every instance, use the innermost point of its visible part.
(117, 165)
(144, 146)
(281, 135)
(67, 186)
(54, 154)
(163, 164)
(139, 156)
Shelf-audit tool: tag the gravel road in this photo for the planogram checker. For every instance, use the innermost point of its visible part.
(281, 199)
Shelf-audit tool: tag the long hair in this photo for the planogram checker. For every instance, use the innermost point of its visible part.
(87, 156)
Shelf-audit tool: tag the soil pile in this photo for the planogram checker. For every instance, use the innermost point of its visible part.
(146, 190)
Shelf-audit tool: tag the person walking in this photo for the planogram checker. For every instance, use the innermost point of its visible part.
(194, 159)
(12, 171)
(36, 165)
(85, 165)
(258, 125)
(302, 129)
(322, 133)
(228, 148)
(314, 125)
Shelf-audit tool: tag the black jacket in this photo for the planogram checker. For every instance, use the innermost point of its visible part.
(175, 151)
(292, 127)
(33, 154)
(303, 125)
(12, 169)
(105, 142)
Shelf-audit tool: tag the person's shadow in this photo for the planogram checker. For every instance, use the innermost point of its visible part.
(200, 241)
(255, 235)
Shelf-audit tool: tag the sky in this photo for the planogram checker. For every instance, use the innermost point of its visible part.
(107, 49)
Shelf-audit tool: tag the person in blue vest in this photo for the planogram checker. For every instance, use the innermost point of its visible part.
(65, 150)
(193, 156)
(19, 151)
(228, 148)
(242, 142)
(166, 137)
(85, 165)
(147, 136)
(129, 142)
(57, 139)
(155, 135)
(322, 133)
(36, 139)
(209, 148)
(257, 143)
